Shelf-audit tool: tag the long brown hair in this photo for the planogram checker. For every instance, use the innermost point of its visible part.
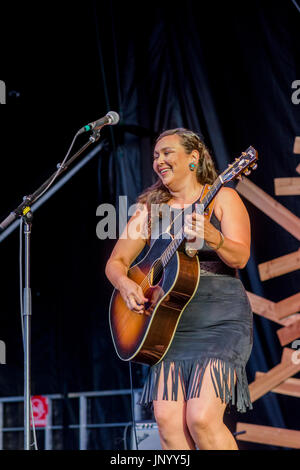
(206, 173)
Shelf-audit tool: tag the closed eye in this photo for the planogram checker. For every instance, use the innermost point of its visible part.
(156, 156)
(165, 151)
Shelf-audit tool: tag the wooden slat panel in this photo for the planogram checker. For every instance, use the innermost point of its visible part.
(270, 206)
(289, 333)
(289, 387)
(279, 266)
(267, 309)
(287, 306)
(290, 320)
(268, 435)
(263, 307)
(287, 186)
(275, 376)
(296, 148)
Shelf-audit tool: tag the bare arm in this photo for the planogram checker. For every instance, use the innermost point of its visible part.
(127, 248)
(235, 226)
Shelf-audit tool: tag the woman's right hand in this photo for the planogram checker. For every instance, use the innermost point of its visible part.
(132, 295)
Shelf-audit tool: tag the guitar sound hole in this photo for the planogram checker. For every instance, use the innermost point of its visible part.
(156, 272)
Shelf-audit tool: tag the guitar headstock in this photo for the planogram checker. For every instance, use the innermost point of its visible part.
(243, 164)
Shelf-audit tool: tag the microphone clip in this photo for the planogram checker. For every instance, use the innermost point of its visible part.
(95, 135)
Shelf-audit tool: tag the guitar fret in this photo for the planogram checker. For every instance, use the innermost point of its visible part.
(179, 237)
(212, 192)
(169, 252)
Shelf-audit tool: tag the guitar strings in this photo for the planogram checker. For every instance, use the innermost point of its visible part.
(157, 269)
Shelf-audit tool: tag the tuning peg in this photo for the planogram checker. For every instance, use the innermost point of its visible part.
(254, 166)
(247, 172)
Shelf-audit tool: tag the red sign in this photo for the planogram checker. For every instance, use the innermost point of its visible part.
(40, 410)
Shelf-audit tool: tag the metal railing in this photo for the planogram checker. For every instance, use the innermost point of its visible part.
(83, 425)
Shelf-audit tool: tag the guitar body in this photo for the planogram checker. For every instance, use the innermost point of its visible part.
(146, 338)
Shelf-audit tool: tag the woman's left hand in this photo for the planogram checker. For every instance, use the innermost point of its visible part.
(198, 227)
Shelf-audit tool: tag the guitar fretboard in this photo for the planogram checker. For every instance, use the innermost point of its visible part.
(179, 236)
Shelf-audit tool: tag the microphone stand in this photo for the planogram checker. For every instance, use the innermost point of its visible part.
(24, 211)
(27, 312)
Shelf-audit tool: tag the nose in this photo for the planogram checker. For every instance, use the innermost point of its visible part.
(159, 159)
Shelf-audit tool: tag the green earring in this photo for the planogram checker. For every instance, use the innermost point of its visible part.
(192, 166)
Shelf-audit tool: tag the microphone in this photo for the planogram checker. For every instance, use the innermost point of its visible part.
(111, 118)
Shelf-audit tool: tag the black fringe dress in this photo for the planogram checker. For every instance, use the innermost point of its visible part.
(215, 330)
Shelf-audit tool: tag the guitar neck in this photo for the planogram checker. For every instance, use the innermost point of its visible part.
(217, 185)
(241, 164)
(179, 236)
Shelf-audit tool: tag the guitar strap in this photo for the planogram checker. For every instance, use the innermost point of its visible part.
(207, 214)
(209, 210)
(191, 252)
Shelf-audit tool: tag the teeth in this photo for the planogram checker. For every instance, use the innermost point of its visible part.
(163, 171)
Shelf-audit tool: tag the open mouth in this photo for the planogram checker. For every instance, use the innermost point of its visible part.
(163, 171)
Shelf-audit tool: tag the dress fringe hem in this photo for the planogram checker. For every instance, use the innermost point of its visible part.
(189, 374)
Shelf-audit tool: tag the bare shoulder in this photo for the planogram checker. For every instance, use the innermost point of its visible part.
(227, 193)
(228, 199)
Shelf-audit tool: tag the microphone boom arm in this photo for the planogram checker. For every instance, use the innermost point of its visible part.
(22, 208)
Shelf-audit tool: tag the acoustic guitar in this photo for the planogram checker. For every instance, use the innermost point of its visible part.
(169, 279)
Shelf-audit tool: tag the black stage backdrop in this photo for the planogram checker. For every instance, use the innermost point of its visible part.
(223, 69)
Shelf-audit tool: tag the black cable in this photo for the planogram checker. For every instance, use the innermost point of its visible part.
(60, 168)
(21, 276)
(132, 407)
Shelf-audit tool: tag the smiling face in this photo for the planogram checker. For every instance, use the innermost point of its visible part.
(171, 162)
